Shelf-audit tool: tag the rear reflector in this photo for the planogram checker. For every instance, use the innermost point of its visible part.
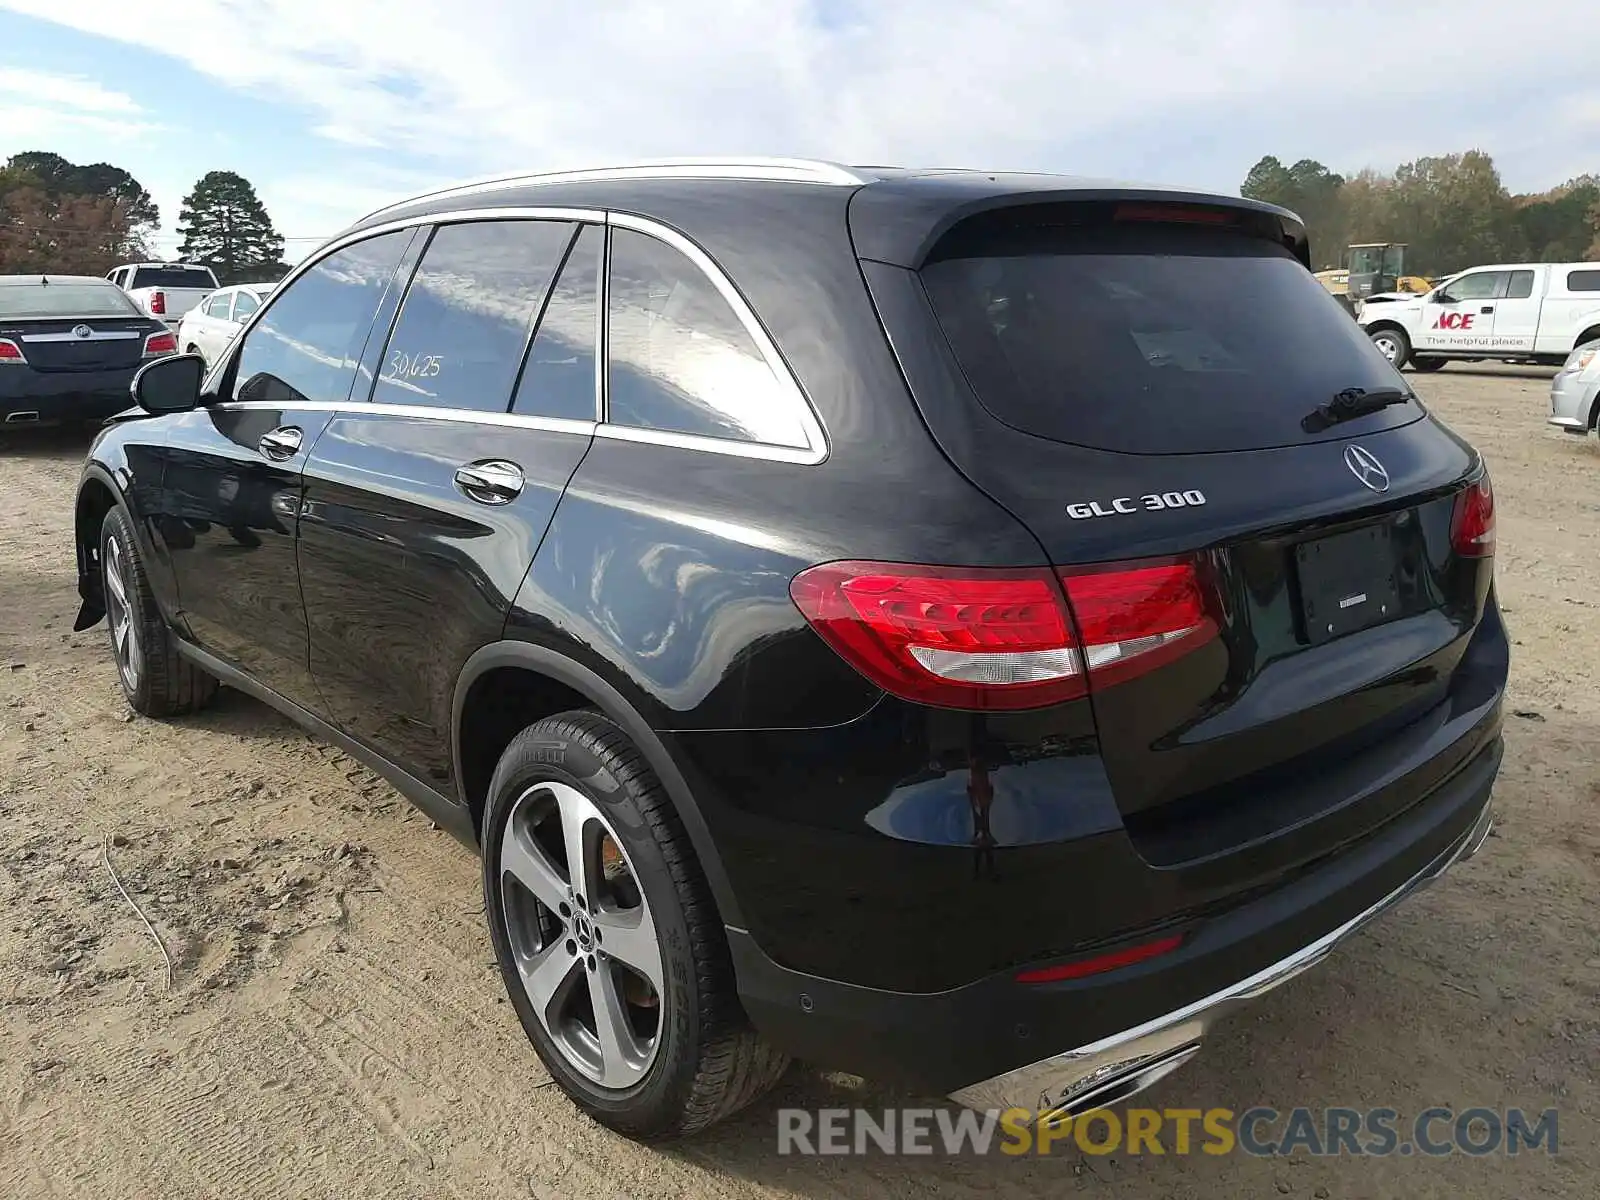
(1101, 963)
(160, 343)
(10, 352)
(986, 639)
(158, 303)
(1472, 521)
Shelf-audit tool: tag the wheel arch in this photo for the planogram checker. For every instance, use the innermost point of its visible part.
(1591, 334)
(98, 494)
(564, 674)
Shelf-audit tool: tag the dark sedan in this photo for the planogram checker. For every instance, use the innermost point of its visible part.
(69, 347)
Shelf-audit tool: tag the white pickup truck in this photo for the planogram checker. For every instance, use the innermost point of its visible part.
(1513, 312)
(164, 290)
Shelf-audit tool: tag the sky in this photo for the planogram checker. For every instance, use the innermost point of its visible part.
(336, 107)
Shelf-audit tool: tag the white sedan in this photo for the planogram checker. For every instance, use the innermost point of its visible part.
(208, 327)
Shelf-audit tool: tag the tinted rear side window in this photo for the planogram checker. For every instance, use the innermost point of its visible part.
(174, 277)
(465, 322)
(559, 377)
(1151, 339)
(1583, 281)
(681, 361)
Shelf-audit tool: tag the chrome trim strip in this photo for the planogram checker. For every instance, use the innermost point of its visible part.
(1075, 1079)
(815, 452)
(463, 416)
(772, 170)
(109, 335)
(686, 441)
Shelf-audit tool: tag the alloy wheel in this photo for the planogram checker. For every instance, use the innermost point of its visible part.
(1387, 346)
(119, 613)
(582, 935)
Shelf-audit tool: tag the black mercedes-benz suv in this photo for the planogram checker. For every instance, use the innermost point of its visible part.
(966, 628)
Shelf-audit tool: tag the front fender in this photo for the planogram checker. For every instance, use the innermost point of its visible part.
(123, 471)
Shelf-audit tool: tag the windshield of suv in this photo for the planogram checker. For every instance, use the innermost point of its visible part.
(64, 300)
(174, 277)
(1154, 339)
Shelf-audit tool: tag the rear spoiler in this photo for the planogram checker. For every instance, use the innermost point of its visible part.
(899, 222)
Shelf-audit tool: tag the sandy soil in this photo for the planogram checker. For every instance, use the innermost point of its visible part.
(335, 1027)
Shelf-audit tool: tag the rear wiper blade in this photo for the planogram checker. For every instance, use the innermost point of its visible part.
(1351, 402)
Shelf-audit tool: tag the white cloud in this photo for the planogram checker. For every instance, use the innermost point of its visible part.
(62, 91)
(1171, 90)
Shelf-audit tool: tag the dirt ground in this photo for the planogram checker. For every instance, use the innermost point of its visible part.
(335, 1027)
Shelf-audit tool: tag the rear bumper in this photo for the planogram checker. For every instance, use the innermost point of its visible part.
(1572, 397)
(1115, 1067)
(29, 397)
(996, 1041)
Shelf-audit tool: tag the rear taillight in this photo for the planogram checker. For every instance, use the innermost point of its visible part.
(158, 303)
(1472, 521)
(160, 343)
(1134, 617)
(10, 352)
(976, 638)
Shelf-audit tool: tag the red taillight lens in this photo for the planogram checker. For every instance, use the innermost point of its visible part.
(1175, 214)
(158, 302)
(160, 343)
(10, 352)
(1133, 619)
(1472, 521)
(958, 638)
(1101, 962)
(986, 639)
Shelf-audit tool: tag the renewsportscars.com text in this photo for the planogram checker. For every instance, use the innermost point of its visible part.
(1263, 1132)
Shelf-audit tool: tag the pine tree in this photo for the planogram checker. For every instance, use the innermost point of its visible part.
(226, 227)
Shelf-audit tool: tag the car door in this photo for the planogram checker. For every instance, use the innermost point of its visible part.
(1460, 316)
(200, 322)
(1516, 309)
(245, 303)
(424, 506)
(231, 491)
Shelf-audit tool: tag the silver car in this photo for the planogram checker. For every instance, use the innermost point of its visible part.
(1575, 389)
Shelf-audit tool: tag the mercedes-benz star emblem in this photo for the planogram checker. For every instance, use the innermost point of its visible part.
(81, 331)
(1364, 465)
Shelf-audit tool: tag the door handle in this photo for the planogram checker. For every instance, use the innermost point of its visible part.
(281, 443)
(1487, 308)
(494, 481)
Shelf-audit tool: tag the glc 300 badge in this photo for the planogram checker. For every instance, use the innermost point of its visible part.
(1122, 505)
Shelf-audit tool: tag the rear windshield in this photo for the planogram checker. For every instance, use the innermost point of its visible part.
(173, 277)
(64, 300)
(1154, 339)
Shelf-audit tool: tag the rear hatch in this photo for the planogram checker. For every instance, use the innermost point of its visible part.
(1172, 403)
(90, 344)
(73, 325)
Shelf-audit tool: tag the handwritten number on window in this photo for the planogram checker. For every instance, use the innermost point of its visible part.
(414, 366)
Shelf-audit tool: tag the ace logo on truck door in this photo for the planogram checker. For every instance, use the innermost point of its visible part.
(1454, 320)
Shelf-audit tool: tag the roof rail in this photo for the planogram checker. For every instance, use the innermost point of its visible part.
(779, 170)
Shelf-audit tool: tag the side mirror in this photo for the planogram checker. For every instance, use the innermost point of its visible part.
(170, 384)
(1442, 298)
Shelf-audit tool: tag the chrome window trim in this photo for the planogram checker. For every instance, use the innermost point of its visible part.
(768, 170)
(356, 408)
(99, 335)
(814, 452)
